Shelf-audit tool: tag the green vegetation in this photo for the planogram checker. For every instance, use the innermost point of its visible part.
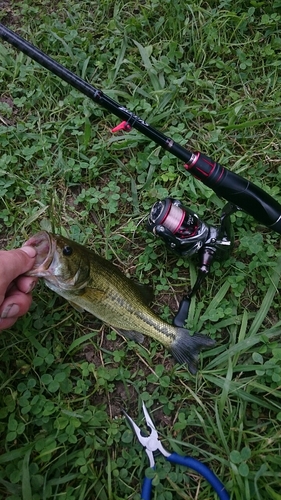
(207, 73)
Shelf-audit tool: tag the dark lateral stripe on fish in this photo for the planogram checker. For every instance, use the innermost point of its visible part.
(149, 320)
(94, 284)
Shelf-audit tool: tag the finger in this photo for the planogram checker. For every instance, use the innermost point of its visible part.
(15, 305)
(14, 263)
(26, 284)
(7, 323)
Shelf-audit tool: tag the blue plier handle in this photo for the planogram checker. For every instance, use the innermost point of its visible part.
(152, 444)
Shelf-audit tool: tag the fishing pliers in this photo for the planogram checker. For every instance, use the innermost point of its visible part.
(152, 444)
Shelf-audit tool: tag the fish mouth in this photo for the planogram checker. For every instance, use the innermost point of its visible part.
(45, 245)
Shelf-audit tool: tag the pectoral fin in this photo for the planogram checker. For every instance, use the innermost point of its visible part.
(146, 293)
(90, 296)
(94, 295)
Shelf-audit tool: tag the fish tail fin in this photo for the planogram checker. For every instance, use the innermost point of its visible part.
(185, 348)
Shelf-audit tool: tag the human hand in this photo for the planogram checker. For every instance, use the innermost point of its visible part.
(15, 289)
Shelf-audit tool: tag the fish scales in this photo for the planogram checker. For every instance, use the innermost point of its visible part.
(122, 295)
(96, 285)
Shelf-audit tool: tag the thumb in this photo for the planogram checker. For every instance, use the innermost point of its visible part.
(13, 263)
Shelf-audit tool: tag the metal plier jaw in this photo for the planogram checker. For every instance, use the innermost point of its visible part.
(151, 443)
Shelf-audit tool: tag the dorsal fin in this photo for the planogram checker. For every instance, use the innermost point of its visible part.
(146, 292)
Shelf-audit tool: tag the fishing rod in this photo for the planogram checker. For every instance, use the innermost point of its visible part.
(226, 184)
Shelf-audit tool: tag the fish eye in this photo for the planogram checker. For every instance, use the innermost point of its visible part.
(67, 251)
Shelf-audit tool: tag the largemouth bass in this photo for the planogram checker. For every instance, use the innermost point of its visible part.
(93, 284)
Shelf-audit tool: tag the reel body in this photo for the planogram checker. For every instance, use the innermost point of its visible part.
(186, 234)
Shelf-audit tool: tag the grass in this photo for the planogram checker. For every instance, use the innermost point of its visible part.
(208, 75)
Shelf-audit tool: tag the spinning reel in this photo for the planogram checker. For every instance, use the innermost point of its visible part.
(185, 234)
(180, 228)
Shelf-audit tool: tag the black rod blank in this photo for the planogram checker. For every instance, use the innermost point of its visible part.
(234, 188)
(96, 95)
